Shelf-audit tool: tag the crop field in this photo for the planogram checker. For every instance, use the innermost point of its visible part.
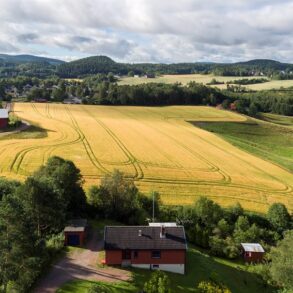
(206, 78)
(156, 146)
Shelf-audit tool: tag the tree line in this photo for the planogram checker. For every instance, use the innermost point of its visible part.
(102, 89)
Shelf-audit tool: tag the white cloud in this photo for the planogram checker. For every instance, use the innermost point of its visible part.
(149, 30)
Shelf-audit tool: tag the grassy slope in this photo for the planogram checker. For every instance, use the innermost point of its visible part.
(278, 119)
(206, 78)
(267, 140)
(199, 267)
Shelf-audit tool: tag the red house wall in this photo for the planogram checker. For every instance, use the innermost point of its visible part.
(113, 257)
(145, 257)
(3, 122)
(253, 257)
(82, 236)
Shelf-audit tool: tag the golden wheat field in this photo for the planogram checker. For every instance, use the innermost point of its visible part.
(206, 78)
(156, 146)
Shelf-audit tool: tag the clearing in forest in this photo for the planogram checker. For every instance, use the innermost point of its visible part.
(157, 146)
(207, 78)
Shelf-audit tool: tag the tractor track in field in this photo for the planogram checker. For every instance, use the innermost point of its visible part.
(19, 157)
(227, 182)
(138, 170)
(262, 192)
(86, 145)
(213, 168)
(176, 163)
(287, 189)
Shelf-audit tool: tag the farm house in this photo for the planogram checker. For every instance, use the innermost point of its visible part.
(252, 252)
(3, 118)
(75, 232)
(149, 247)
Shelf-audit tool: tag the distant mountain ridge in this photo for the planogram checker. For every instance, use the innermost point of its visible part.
(104, 64)
(29, 58)
(260, 62)
(36, 66)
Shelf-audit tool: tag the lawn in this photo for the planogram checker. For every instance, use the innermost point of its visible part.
(205, 78)
(80, 286)
(155, 146)
(200, 267)
(267, 140)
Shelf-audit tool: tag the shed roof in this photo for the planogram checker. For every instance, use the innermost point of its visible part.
(252, 247)
(3, 113)
(128, 237)
(76, 225)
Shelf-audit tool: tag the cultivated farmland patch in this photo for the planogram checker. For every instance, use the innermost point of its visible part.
(156, 146)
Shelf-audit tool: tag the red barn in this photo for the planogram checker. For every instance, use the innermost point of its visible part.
(252, 252)
(75, 232)
(3, 118)
(150, 247)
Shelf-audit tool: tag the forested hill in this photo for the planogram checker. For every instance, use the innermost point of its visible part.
(28, 59)
(103, 64)
(91, 65)
(29, 65)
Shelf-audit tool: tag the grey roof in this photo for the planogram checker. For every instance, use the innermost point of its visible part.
(127, 237)
(76, 225)
(252, 247)
(3, 113)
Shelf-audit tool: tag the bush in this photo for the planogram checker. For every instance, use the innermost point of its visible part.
(55, 243)
(158, 283)
(98, 288)
(212, 287)
(14, 121)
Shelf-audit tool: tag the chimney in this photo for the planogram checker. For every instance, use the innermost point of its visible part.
(139, 233)
(163, 232)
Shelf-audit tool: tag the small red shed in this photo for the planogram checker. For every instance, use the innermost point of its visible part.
(75, 232)
(148, 247)
(3, 118)
(252, 252)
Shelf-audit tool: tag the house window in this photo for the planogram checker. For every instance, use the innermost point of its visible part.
(155, 267)
(135, 254)
(156, 254)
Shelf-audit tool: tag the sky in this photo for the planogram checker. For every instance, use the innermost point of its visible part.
(168, 31)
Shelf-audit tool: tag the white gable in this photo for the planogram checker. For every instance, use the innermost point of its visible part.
(3, 113)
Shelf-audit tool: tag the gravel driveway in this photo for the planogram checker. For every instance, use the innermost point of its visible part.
(80, 264)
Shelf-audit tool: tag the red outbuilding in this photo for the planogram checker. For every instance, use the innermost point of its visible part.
(75, 232)
(3, 118)
(150, 247)
(252, 252)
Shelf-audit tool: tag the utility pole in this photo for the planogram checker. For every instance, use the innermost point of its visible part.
(153, 207)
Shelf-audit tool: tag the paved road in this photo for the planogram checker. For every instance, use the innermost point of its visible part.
(81, 264)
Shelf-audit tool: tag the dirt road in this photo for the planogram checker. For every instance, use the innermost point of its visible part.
(80, 264)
